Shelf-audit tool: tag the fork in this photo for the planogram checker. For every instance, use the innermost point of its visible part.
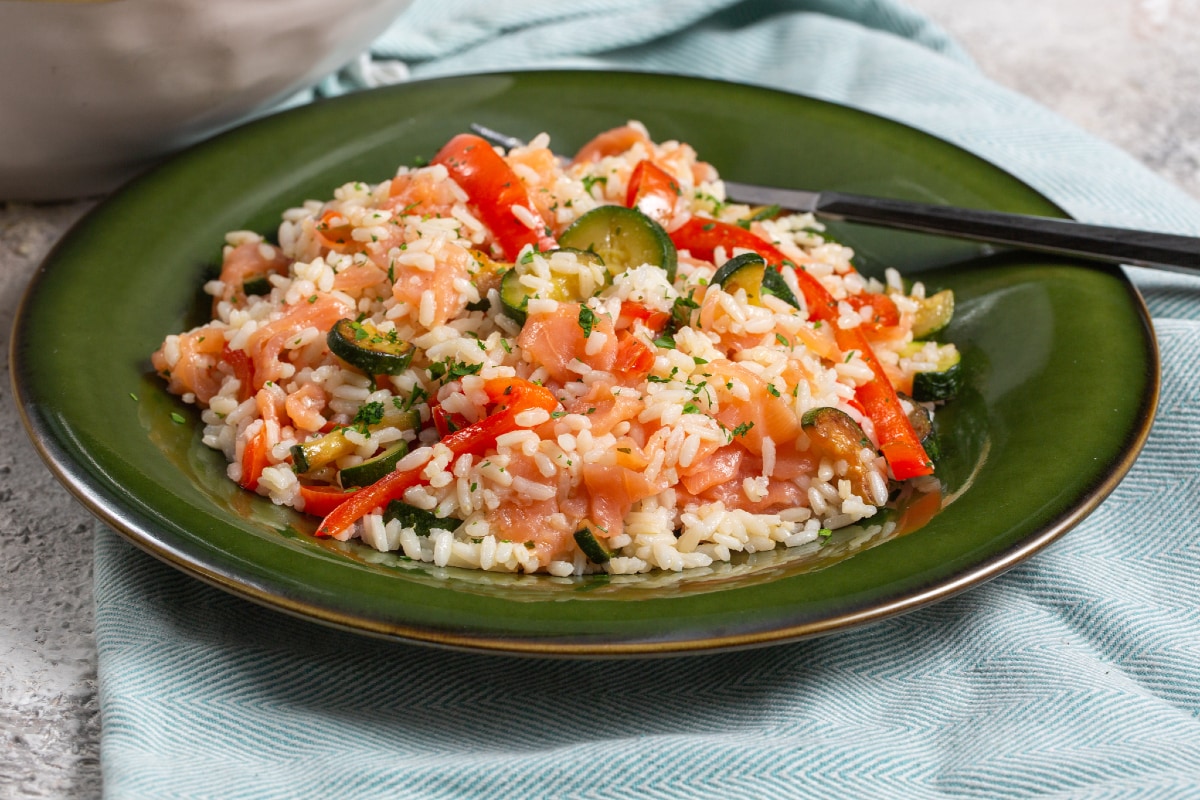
(1041, 234)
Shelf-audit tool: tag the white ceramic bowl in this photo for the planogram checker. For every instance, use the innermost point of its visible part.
(92, 92)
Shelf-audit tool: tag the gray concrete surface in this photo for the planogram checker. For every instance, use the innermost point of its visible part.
(1126, 70)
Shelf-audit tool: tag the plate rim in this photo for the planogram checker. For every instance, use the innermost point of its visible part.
(64, 466)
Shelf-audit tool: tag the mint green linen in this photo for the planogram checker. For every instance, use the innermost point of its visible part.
(1075, 675)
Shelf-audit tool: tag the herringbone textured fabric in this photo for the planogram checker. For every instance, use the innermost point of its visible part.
(1075, 675)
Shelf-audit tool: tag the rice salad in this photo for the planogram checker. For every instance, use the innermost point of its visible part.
(502, 360)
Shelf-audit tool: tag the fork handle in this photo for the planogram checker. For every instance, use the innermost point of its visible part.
(1118, 245)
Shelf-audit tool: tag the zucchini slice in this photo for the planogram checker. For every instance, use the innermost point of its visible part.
(833, 434)
(373, 469)
(420, 520)
(934, 314)
(591, 546)
(361, 345)
(623, 238)
(316, 453)
(515, 296)
(487, 274)
(940, 384)
(922, 423)
(749, 271)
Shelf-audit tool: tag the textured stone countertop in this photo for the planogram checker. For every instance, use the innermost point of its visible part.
(1126, 70)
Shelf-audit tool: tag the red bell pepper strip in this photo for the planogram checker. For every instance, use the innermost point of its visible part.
(444, 422)
(254, 459)
(702, 237)
(320, 501)
(895, 433)
(652, 191)
(512, 395)
(885, 315)
(632, 311)
(494, 189)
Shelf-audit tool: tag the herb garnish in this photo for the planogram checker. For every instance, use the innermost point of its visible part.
(743, 429)
(367, 415)
(587, 320)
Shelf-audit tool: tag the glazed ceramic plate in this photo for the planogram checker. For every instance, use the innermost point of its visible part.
(1061, 361)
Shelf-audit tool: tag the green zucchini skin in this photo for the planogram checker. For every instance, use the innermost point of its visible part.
(596, 552)
(373, 469)
(835, 426)
(420, 520)
(741, 271)
(316, 453)
(749, 272)
(515, 296)
(922, 422)
(360, 345)
(933, 314)
(943, 384)
(834, 434)
(623, 238)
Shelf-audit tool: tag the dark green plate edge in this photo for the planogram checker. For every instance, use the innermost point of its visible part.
(135, 520)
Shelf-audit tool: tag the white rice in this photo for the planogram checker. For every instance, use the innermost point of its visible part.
(727, 353)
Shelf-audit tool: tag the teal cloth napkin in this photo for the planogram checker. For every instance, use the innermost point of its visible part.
(1076, 674)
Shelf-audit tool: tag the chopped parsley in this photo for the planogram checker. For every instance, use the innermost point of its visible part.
(177, 418)
(417, 395)
(655, 379)
(743, 429)
(449, 370)
(766, 212)
(591, 180)
(717, 205)
(367, 415)
(681, 312)
(587, 320)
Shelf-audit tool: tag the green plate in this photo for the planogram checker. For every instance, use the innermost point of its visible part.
(1061, 361)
